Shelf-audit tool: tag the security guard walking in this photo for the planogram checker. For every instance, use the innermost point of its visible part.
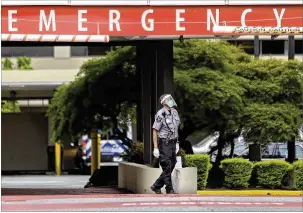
(165, 127)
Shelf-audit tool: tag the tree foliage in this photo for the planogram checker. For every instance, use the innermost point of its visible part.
(218, 87)
(24, 63)
(7, 64)
(98, 92)
(273, 100)
(266, 123)
(209, 94)
(9, 106)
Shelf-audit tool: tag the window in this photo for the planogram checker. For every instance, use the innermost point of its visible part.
(273, 47)
(299, 46)
(32, 51)
(299, 152)
(89, 50)
(276, 151)
(247, 46)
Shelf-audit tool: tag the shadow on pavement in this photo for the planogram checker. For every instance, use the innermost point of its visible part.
(53, 191)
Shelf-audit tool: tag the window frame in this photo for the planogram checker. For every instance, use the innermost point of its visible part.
(262, 47)
(37, 49)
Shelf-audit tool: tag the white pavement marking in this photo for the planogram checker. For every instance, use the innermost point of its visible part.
(201, 203)
(223, 203)
(279, 204)
(30, 181)
(243, 203)
(129, 204)
(6, 200)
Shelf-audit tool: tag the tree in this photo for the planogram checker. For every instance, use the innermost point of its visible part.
(101, 88)
(258, 86)
(209, 94)
(273, 96)
(274, 101)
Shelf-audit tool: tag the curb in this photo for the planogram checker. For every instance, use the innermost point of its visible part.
(251, 192)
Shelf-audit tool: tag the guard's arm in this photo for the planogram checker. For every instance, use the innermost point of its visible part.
(155, 138)
(156, 127)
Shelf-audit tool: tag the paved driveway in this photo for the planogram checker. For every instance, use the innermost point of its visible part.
(50, 185)
(44, 181)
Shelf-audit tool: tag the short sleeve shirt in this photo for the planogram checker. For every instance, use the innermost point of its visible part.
(167, 123)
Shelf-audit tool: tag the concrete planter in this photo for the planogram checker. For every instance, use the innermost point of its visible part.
(138, 178)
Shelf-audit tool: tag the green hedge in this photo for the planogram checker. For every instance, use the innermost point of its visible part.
(298, 174)
(237, 172)
(202, 162)
(271, 173)
(135, 153)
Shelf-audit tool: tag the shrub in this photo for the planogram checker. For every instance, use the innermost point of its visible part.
(24, 63)
(202, 162)
(237, 172)
(298, 174)
(7, 64)
(135, 153)
(271, 173)
(288, 179)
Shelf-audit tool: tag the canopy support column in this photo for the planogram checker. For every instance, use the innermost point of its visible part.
(155, 68)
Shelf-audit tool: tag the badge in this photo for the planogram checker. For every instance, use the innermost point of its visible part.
(158, 119)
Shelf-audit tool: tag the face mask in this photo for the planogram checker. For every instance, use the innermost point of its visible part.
(171, 103)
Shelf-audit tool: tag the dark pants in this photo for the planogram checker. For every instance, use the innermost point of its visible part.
(168, 160)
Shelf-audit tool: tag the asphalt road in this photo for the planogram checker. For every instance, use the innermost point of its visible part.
(66, 193)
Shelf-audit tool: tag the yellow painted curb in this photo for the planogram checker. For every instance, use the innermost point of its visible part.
(250, 192)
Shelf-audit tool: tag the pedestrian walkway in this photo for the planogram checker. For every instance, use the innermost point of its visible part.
(44, 191)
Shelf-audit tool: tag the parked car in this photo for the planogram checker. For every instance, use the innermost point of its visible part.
(241, 149)
(270, 151)
(111, 149)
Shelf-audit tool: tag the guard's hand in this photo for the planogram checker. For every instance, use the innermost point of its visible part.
(156, 152)
(177, 148)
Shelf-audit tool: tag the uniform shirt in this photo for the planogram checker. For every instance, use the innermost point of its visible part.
(167, 123)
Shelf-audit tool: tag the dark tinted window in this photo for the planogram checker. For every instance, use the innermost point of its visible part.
(299, 47)
(89, 50)
(247, 46)
(45, 51)
(273, 47)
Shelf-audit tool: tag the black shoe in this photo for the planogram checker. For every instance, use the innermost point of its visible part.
(154, 189)
(170, 192)
(88, 185)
